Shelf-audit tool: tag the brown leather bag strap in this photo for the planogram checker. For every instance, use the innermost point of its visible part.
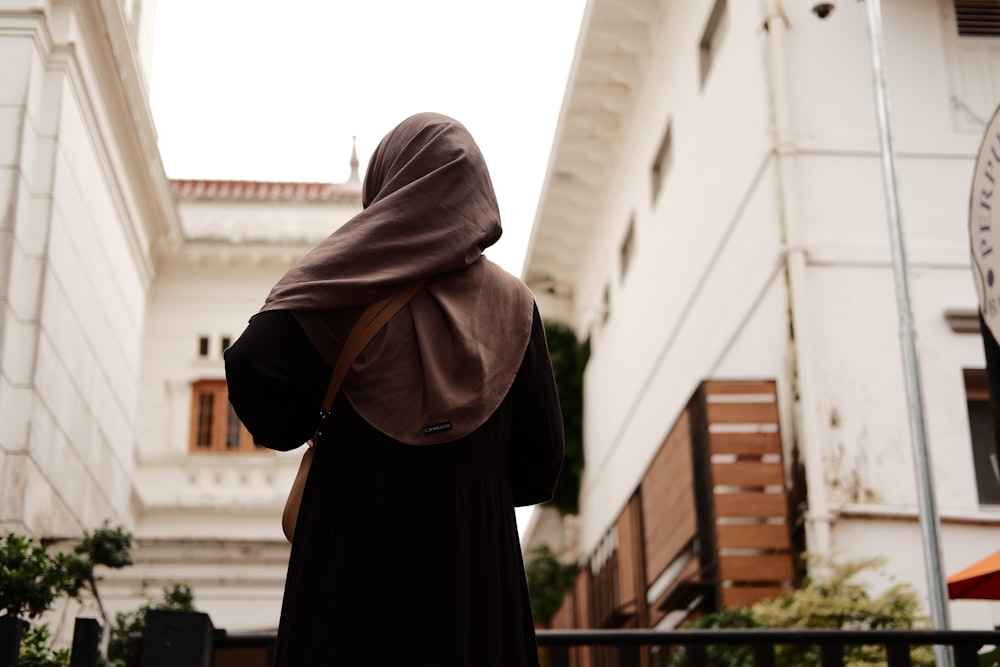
(371, 321)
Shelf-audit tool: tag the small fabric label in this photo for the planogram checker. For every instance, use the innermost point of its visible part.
(437, 428)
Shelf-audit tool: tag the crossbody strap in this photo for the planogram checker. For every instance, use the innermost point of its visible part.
(371, 321)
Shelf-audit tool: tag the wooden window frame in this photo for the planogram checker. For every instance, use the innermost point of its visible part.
(214, 427)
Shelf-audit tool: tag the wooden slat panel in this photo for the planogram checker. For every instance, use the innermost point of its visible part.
(742, 413)
(565, 616)
(745, 444)
(669, 520)
(763, 567)
(746, 596)
(667, 490)
(748, 473)
(739, 387)
(626, 557)
(581, 591)
(683, 531)
(752, 536)
(582, 656)
(760, 505)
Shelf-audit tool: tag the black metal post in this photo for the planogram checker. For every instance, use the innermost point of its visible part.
(898, 655)
(11, 629)
(86, 640)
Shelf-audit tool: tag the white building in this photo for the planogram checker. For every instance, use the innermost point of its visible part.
(714, 210)
(118, 291)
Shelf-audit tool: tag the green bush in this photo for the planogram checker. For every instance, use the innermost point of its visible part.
(569, 359)
(548, 582)
(35, 651)
(722, 655)
(177, 597)
(833, 602)
(31, 579)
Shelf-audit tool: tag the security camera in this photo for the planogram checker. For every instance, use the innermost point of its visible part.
(823, 9)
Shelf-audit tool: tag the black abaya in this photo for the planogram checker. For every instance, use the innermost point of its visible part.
(403, 554)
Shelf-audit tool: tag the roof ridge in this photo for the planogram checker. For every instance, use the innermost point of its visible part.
(254, 189)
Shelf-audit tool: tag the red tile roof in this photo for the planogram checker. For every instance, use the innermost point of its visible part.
(265, 190)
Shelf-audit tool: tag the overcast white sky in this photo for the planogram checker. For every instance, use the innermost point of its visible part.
(264, 90)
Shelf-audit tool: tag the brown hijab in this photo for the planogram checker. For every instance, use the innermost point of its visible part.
(441, 367)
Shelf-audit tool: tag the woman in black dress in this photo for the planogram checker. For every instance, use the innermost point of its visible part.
(405, 550)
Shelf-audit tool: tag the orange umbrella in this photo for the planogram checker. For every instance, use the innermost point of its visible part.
(980, 581)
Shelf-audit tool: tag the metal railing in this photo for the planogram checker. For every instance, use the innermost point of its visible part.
(623, 648)
(612, 648)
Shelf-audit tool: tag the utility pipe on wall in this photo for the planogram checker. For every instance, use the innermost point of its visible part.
(807, 430)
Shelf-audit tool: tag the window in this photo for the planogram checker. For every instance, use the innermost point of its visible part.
(214, 424)
(627, 248)
(662, 162)
(709, 45)
(226, 342)
(977, 18)
(203, 346)
(984, 448)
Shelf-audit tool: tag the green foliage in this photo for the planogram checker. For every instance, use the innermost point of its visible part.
(35, 651)
(722, 655)
(838, 602)
(835, 602)
(177, 597)
(107, 546)
(569, 359)
(548, 581)
(31, 579)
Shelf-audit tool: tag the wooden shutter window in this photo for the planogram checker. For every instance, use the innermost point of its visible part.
(215, 427)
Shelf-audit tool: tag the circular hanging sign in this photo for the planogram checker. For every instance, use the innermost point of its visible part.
(984, 225)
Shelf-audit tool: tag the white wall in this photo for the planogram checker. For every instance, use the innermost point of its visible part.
(77, 265)
(707, 295)
(705, 253)
(235, 251)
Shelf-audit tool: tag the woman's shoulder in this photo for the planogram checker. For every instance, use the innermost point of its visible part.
(517, 290)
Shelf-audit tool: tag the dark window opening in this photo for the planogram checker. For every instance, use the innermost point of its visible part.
(206, 406)
(662, 162)
(977, 18)
(708, 47)
(627, 249)
(984, 447)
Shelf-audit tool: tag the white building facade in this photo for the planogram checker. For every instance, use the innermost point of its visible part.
(118, 291)
(714, 210)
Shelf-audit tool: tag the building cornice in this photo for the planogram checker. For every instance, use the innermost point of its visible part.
(131, 128)
(611, 55)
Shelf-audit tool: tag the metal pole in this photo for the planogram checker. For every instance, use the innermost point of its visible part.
(925, 490)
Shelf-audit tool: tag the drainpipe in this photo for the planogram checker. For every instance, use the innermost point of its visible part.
(806, 427)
